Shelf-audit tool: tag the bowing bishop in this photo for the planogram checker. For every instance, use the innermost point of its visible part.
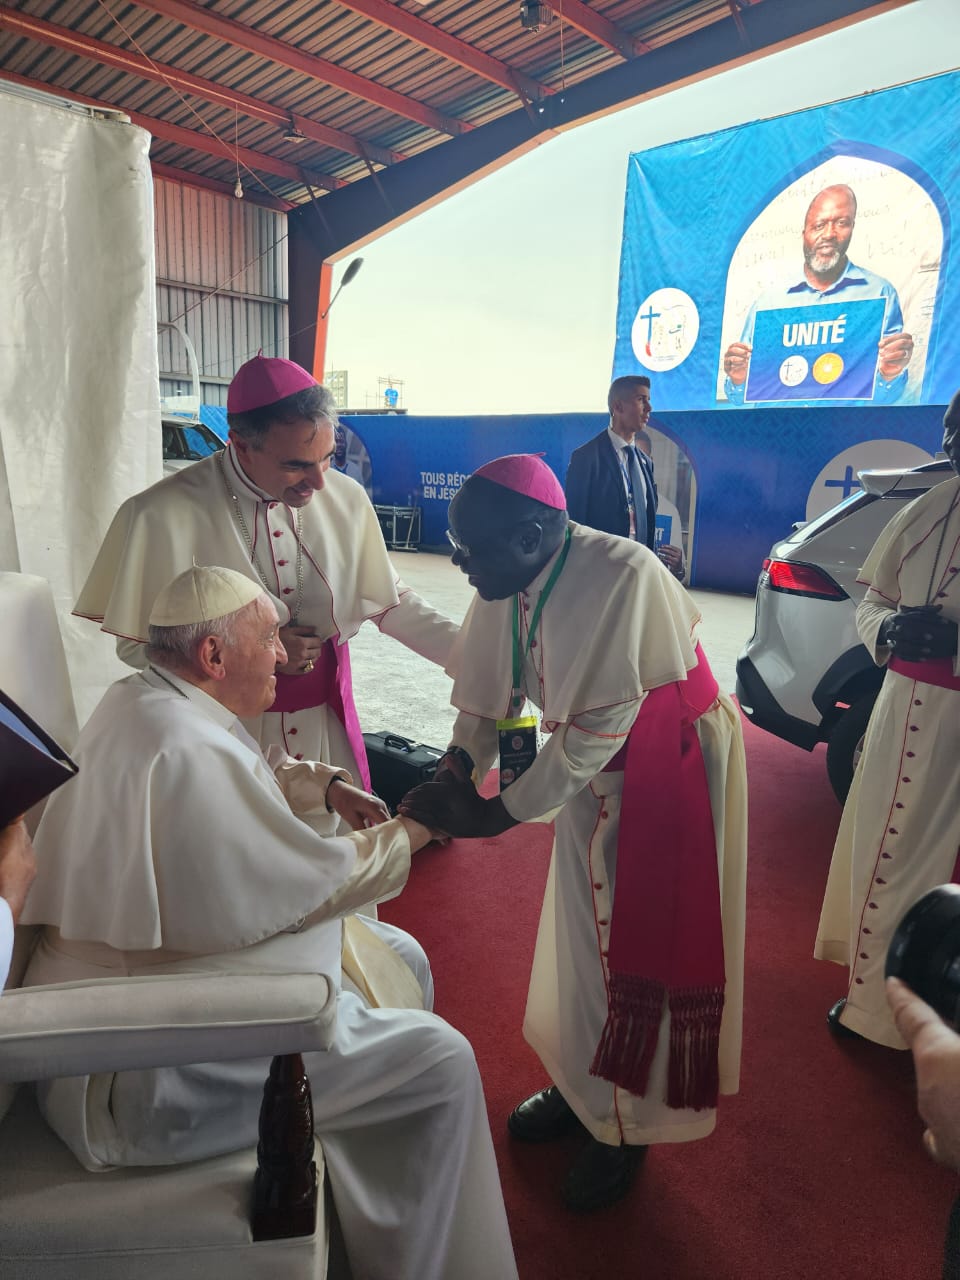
(635, 999)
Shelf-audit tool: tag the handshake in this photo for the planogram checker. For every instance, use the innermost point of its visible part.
(919, 633)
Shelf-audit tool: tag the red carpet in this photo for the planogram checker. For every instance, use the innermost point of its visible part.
(815, 1169)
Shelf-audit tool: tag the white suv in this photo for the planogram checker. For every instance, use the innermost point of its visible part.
(804, 675)
(186, 440)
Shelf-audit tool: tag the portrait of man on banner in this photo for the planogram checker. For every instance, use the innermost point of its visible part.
(831, 291)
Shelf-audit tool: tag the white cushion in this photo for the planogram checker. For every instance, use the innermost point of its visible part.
(122, 1024)
(59, 1222)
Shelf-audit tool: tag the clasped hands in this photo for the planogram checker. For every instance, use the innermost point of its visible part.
(451, 803)
(303, 647)
(919, 633)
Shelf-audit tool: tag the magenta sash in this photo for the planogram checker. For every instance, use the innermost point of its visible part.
(666, 940)
(329, 684)
(938, 671)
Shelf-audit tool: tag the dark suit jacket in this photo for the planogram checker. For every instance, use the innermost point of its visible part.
(595, 492)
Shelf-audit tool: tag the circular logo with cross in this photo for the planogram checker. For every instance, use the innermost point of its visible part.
(665, 330)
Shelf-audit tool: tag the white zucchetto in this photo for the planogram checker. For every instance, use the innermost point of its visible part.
(201, 594)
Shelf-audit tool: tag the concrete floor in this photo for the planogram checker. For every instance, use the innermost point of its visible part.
(397, 690)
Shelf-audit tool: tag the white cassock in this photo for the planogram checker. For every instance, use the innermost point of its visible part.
(900, 831)
(177, 851)
(615, 625)
(346, 574)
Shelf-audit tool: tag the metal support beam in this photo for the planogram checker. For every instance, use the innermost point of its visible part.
(135, 64)
(448, 46)
(597, 27)
(197, 18)
(198, 141)
(365, 209)
(255, 160)
(187, 179)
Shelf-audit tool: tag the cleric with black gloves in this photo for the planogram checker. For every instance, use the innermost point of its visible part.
(900, 830)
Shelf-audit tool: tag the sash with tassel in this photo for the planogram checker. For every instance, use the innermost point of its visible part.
(666, 940)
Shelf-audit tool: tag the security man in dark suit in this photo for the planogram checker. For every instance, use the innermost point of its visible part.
(610, 484)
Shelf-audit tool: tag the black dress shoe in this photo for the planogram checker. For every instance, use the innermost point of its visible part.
(601, 1175)
(836, 1026)
(542, 1118)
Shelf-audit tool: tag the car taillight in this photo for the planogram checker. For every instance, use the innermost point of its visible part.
(800, 580)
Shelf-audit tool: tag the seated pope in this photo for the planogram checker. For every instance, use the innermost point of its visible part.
(181, 848)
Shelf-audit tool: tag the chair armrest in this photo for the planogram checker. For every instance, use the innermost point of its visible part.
(111, 1024)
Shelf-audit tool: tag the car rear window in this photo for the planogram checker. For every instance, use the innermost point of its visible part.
(200, 442)
(843, 509)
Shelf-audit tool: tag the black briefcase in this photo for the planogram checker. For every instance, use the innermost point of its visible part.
(397, 764)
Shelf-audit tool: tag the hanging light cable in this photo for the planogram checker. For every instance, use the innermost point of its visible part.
(238, 189)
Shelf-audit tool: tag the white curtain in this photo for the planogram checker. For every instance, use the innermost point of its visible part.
(79, 388)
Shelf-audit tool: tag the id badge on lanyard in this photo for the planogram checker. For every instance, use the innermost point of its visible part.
(518, 747)
(518, 733)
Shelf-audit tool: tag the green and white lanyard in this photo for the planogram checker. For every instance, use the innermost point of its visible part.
(518, 733)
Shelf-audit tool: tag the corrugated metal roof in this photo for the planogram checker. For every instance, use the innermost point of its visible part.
(393, 91)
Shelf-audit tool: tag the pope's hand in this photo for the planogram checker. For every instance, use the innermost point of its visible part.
(936, 1057)
(17, 866)
(357, 808)
(736, 362)
(303, 647)
(895, 352)
(418, 834)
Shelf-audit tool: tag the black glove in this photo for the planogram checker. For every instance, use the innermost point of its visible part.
(917, 633)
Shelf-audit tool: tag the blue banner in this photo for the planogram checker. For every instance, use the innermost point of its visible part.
(832, 356)
(766, 469)
(822, 212)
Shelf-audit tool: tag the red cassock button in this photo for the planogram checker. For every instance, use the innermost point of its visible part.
(278, 533)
